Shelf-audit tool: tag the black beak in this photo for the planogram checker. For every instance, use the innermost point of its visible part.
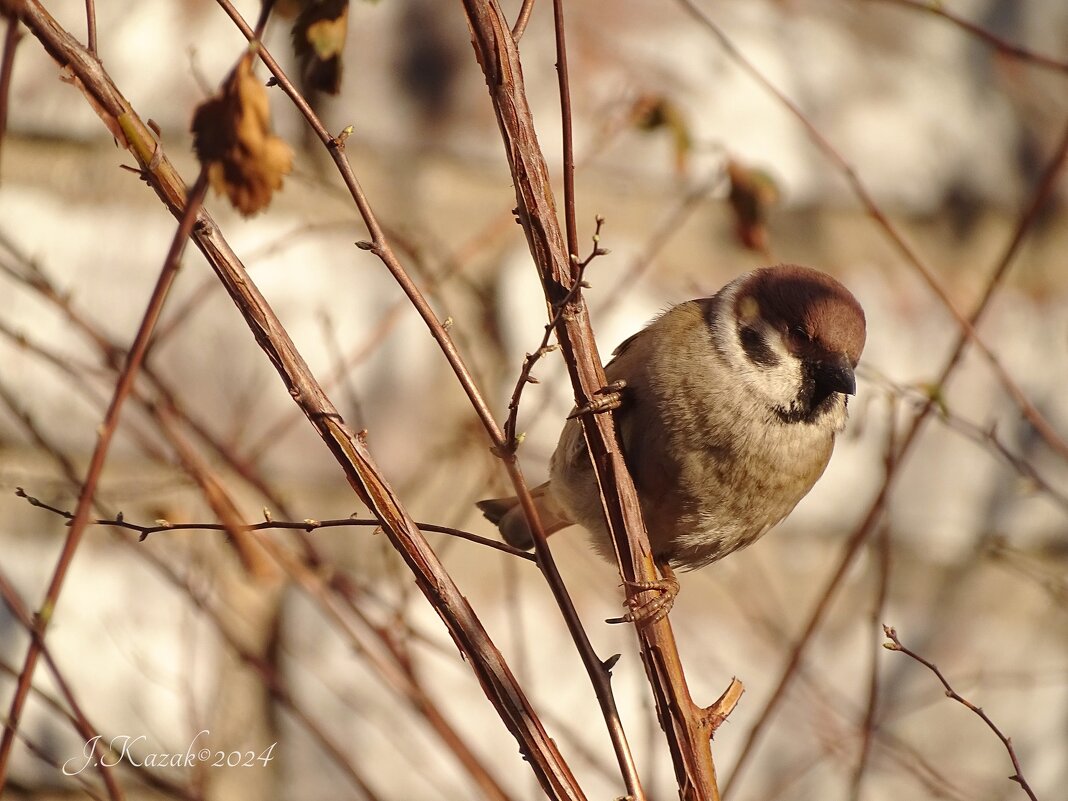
(836, 375)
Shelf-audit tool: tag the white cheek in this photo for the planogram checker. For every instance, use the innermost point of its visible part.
(778, 384)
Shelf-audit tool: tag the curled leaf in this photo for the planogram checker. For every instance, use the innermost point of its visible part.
(232, 137)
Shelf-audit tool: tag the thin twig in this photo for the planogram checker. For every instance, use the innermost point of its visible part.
(987, 437)
(544, 348)
(521, 21)
(90, 26)
(270, 524)
(1018, 777)
(991, 38)
(96, 465)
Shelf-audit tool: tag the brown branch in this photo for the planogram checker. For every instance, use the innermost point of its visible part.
(1018, 777)
(96, 464)
(688, 727)
(348, 449)
(568, 144)
(991, 38)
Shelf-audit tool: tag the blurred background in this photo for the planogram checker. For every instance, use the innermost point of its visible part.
(320, 643)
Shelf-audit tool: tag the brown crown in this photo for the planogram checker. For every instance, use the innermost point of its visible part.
(814, 311)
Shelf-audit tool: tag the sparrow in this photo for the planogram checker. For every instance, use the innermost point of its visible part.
(728, 411)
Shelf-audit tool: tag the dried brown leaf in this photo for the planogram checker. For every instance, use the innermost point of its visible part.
(232, 137)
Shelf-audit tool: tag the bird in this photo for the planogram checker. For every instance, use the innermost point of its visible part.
(728, 410)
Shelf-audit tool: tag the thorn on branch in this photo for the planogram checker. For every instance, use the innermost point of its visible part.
(715, 715)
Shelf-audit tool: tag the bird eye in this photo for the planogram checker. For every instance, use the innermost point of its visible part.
(800, 333)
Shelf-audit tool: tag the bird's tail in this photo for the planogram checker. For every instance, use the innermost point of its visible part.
(507, 515)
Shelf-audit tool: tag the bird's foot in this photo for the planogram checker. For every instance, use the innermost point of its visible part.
(608, 397)
(647, 611)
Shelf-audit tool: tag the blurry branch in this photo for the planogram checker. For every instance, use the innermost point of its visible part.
(1028, 215)
(123, 386)
(382, 649)
(269, 524)
(44, 754)
(1042, 571)
(12, 35)
(966, 324)
(687, 726)
(1018, 777)
(38, 436)
(349, 450)
(76, 715)
(986, 437)
(670, 223)
(27, 272)
(833, 702)
(264, 669)
(882, 588)
(991, 38)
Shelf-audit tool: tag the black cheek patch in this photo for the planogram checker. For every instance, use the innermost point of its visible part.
(756, 348)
